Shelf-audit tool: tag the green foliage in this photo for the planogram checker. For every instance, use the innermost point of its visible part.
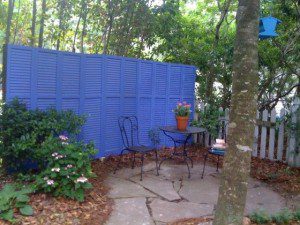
(182, 109)
(297, 215)
(23, 131)
(209, 118)
(283, 217)
(68, 168)
(260, 217)
(14, 196)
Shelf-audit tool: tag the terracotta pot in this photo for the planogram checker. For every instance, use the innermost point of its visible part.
(182, 122)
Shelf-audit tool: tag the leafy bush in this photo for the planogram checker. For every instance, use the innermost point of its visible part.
(23, 131)
(209, 119)
(297, 214)
(11, 197)
(260, 217)
(283, 217)
(68, 168)
(64, 164)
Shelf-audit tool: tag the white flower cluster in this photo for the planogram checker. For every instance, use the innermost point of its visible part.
(55, 169)
(58, 156)
(49, 181)
(81, 179)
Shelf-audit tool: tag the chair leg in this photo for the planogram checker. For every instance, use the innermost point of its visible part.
(156, 161)
(142, 159)
(218, 163)
(205, 158)
(133, 161)
(120, 158)
(187, 164)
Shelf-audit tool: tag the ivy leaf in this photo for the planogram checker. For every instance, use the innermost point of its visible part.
(26, 210)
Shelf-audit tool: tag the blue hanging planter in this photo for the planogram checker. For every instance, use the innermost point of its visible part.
(267, 27)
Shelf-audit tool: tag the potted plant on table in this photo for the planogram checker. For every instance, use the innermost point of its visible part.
(182, 113)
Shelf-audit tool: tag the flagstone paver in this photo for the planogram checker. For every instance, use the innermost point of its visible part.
(172, 196)
(121, 188)
(130, 211)
(165, 211)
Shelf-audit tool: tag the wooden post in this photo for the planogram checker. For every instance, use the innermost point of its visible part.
(293, 152)
(263, 136)
(272, 135)
(280, 136)
(255, 144)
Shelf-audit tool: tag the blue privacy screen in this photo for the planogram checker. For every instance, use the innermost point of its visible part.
(102, 87)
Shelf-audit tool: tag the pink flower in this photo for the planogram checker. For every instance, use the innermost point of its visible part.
(63, 137)
(54, 154)
(179, 104)
(69, 166)
(50, 182)
(188, 105)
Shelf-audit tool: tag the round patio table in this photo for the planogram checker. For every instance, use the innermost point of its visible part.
(169, 130)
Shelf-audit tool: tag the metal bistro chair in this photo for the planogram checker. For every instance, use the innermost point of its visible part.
(218, 152)
(130, 137)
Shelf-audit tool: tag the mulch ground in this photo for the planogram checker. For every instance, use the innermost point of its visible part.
(97, 206)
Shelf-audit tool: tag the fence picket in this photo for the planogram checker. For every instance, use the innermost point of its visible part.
(280, 136)
(220, 127)
(255, 144)
(272, 135)
(263, 137)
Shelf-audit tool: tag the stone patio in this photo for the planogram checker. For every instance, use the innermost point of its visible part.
(170, 196)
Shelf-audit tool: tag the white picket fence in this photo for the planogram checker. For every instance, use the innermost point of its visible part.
(273, 139)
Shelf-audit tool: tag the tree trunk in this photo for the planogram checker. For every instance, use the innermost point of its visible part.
(10, 10)
(236, 169)
(211, 76)
(17, 22)
(42, 23)
(83, 33)
(77, 28)
(33, 22)
(61, 7)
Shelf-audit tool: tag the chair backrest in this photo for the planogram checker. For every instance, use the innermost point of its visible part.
(129, 130)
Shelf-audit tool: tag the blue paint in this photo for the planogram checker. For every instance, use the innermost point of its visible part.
(267, 27)
(102, 87)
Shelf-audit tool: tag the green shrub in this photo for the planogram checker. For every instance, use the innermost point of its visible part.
(297, 214)
(209, 119)
(260, 217)
(11, 197)
(23, 131)
(283, 217)
(68, 168)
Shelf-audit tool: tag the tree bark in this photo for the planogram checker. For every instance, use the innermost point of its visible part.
(77, 27)
(33, 22)
(10, 10)
(42, 23)
(236, 169)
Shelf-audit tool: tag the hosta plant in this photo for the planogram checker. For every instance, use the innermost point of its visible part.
(12, 197)
(68, 167)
